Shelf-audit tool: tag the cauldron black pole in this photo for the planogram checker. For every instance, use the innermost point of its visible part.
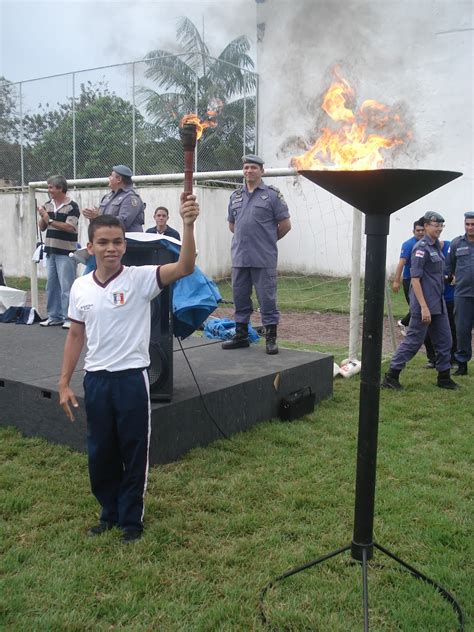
(376, 229)
(376, 193)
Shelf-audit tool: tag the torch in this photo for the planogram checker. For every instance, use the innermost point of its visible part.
(188, 138)
(192, 128)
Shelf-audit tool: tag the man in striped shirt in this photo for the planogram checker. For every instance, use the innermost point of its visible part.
(59, 217)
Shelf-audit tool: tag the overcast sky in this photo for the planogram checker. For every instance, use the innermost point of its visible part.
(41, 38)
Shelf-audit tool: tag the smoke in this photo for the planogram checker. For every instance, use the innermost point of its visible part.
(140, 27)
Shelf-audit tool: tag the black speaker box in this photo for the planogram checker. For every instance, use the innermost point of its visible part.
(297, 404)
(161, 337)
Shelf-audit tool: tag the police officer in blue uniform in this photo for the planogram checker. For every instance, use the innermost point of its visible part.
(460, 266)
(258, 217)
(122, 201)
(427, 308)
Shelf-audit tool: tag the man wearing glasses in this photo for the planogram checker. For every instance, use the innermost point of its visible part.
(427, 308)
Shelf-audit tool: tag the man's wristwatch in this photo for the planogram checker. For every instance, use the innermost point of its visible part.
(50, 221)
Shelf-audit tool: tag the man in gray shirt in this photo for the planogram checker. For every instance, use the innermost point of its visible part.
(258, 217)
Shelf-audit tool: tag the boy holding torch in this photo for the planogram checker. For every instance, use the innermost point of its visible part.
(110, 309)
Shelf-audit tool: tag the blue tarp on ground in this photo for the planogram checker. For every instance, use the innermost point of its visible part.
(224, 329)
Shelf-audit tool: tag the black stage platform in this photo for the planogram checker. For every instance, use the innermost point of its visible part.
(240, 388)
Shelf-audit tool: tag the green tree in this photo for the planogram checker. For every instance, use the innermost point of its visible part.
(191, 77)
(103, 134)
(10, 152)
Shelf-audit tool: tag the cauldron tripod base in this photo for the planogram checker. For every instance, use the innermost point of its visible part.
(366, 554)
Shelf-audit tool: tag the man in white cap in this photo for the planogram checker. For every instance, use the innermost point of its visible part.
(460, 267)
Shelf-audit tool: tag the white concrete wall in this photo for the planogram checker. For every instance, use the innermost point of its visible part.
(414, 55)
(212, 234)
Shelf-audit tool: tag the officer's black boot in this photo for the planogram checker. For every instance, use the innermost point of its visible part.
(391, 380)
(271, 346)
(462, 369)
(240, 339)
(445, 381)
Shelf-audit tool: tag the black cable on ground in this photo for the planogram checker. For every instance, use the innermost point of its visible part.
(201, 395)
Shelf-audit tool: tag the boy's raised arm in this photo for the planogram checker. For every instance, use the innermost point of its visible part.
(170, 272)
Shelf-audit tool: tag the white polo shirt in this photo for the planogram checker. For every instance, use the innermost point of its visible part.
(116, 316)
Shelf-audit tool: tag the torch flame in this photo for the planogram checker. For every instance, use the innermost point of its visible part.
(352, 146)
(201, 125)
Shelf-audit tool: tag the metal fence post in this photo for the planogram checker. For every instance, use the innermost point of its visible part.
(245, 115)
(74, 125)
(134, 140)
(196, 103)
(22, 156)
(256, 115)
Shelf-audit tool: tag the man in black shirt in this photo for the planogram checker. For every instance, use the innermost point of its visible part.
(160, 216)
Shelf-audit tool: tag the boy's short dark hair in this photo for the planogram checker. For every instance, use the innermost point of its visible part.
(104, 220)
(161, 208)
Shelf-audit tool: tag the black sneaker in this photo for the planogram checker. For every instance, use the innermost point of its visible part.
(391, 382)
(130, 535)
(447, 383)
(462, 369)
(101, 528)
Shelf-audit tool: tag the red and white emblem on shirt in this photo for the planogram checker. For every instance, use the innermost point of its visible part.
(118, 298)
(420, 253)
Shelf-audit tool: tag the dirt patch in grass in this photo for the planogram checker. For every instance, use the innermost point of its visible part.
(314, 328)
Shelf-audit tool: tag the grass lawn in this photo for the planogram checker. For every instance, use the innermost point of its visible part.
(317, 294)
(24, 283)
(295, 293)
(225, 520)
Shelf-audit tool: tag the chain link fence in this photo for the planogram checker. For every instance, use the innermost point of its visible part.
(81, 124)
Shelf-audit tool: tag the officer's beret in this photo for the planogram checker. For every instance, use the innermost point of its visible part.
(256, 160)
(432, 216)
(123, 170)
(469, 215)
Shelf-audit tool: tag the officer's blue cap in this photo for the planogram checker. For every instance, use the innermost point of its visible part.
(469, 215)
(123, 170)
(432, 216)
(256, 160)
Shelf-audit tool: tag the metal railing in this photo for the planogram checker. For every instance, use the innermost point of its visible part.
(79, 124)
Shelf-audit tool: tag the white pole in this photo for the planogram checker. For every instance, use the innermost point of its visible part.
(354, 319)
(175, 177)
(34, 275)
(388, 302)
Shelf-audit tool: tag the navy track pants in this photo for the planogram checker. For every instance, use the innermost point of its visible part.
(118, 439)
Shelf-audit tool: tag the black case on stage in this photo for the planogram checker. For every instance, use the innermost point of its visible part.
(161, 337)
(297, 404)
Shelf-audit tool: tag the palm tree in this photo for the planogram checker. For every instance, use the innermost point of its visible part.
(193, 81)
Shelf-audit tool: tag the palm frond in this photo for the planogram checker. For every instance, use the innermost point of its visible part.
(192, 43)
(236, 53)
(164, 109)
(169, 71)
